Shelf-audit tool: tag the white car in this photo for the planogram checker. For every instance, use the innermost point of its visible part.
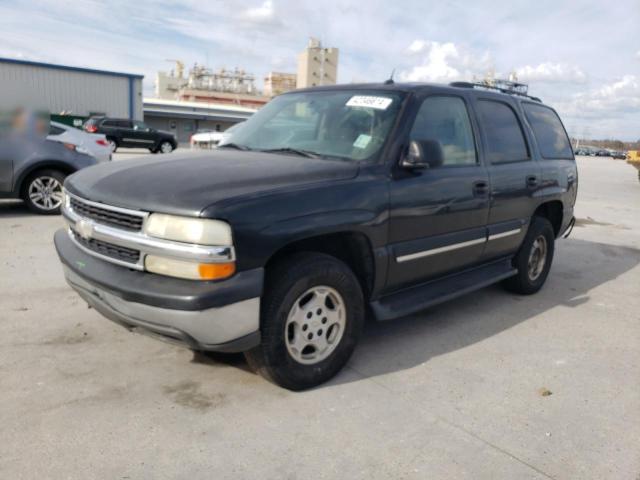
(94, 144)
(205, 139)
(210, 138)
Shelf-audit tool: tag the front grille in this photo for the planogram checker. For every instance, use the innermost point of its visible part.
(110, 250)
(107, 216)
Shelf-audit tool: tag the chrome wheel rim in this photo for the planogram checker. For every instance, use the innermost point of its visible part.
(315, 325)
(537, 258)
(46, 193)
(166, 147)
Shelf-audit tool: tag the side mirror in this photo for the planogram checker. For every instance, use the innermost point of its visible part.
(423, 154)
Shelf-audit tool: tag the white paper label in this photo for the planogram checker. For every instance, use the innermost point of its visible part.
(379, 103)
(362, 141)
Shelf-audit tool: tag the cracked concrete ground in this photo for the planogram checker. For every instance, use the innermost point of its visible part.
(491, 385)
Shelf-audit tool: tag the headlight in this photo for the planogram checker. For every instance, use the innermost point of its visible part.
(189, 230)
(188, 270)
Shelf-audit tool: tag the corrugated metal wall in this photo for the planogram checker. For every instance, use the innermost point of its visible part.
(57, 90)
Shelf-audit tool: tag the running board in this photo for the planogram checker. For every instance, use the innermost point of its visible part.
(423, 296)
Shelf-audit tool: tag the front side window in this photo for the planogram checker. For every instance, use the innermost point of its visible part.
(345, 124)
(446, 121)
(138, 125)
(503, 133)
(549, 132)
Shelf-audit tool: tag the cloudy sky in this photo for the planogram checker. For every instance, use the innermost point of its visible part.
(581, 56)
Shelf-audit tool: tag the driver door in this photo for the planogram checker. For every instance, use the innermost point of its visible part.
(140, 135)
(438, 215)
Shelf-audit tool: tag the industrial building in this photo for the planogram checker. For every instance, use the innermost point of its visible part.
(317, 65)
(76, 92)
(276, 83)
(183, 119)
(201, 84)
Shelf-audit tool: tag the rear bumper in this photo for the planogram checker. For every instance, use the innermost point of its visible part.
(200, 315)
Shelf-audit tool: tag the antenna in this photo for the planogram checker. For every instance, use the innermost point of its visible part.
(389, 81)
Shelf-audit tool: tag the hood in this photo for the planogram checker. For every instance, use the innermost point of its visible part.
(188, 183)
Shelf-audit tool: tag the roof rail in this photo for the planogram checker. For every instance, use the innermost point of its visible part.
(502, 86)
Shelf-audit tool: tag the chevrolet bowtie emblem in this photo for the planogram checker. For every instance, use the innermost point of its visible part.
(84, 229)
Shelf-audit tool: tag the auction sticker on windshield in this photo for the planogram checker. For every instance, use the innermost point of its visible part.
(379, 103)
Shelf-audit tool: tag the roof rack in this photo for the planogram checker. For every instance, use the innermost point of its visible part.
(502, 86)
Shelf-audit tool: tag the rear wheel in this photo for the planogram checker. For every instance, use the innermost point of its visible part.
(113, 144)
(312, 316)
(534, 258)
(43, 191)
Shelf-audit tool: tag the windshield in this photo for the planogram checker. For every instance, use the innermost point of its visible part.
(348, 124)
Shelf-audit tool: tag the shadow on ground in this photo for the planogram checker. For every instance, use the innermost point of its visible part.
(579, 267)
(15, 208)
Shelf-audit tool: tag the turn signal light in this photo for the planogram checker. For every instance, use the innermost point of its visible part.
(216, 271)
(189, 270)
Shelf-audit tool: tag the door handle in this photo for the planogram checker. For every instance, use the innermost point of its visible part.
(480, 188)
(532, 181)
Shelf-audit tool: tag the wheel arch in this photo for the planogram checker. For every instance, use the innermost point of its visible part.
(42, 165)
(553, 211)
(352, 247)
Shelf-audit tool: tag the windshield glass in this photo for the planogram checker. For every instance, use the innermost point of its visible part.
(349, 124)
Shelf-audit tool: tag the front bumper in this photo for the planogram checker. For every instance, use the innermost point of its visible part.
(211, 316)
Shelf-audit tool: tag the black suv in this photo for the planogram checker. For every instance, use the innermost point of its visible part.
(121, 132)
(328, 205)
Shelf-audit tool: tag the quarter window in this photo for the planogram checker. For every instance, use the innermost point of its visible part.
(503, 133)
(549, 132)
(446, 120)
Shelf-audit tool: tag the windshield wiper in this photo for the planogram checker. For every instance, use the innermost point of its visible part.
(297, 151)
(234, 145)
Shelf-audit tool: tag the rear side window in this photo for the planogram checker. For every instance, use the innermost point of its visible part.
(503, 133)
(109, 123)
(123, 124)
(549, 132)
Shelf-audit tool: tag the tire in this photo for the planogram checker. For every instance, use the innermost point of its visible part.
(113, 144)
(532, 270)
(286, 297)
(42, 191)
(165, 147)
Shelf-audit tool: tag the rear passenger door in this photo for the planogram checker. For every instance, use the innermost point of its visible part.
(127, 134)
(438, 215)
(514, 175)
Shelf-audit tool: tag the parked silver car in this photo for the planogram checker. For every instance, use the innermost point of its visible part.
(94, 144)
(34, 168)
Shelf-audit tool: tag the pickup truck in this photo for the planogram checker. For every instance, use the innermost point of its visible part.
(330, 205)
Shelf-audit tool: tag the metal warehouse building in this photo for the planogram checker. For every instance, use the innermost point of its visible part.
(76, 91)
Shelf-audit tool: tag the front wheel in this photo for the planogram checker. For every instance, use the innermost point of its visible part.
(166, 147)
(533, 260)
(312, 316)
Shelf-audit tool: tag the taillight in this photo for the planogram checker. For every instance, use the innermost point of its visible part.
(91, 128)
(102, 142)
